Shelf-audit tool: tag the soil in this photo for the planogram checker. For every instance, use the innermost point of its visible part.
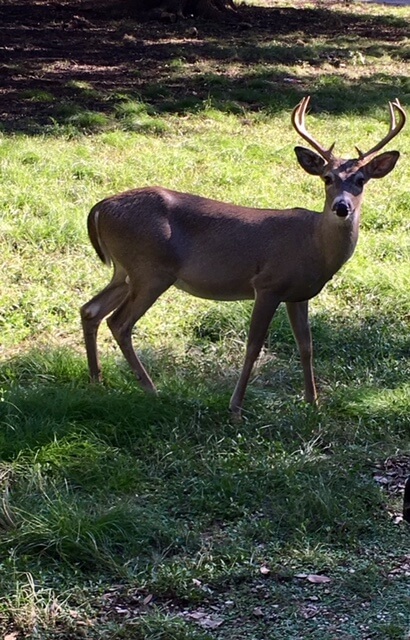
(57, 53)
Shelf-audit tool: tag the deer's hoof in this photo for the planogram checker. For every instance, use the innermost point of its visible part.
(235, 413)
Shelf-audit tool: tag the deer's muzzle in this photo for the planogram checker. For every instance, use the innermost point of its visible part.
(342, 208)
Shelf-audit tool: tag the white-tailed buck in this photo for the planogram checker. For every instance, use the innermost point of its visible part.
(156, 238)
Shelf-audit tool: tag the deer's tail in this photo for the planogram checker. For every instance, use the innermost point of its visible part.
(95, 237)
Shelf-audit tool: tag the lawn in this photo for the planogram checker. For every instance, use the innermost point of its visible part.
(128, 516)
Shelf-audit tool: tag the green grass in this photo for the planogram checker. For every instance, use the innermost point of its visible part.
(126, 516)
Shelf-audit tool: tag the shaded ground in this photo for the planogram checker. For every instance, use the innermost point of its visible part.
(61, 57)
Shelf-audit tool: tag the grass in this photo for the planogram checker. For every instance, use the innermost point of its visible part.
(124, 516)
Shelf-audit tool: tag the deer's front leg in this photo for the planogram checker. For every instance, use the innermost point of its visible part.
(265, 306)
(298, 313)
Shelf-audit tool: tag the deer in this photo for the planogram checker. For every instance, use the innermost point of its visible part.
(156, 238)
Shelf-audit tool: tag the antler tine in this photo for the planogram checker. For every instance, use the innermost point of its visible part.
(394, 129)
(298, 121)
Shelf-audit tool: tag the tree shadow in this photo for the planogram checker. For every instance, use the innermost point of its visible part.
(73, 64)
(361, 366)
(47, 394)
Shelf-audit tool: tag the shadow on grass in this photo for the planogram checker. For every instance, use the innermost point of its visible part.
(100, 475)
(362, 367)
(73, 66)
(47, 394)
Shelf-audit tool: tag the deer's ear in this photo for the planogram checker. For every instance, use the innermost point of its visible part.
(381, 165)
(310, 161)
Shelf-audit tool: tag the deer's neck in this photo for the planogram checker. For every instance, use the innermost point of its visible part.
(338, 238)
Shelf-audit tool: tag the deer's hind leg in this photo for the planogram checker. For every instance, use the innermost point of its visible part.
(142, 294)
(95, 310)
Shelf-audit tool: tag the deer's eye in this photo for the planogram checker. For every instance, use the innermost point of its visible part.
(327, 180)
(359, 181)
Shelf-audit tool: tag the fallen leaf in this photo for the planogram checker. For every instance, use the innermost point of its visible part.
(264, 570)
(197, 615)
(121, 611)
(310, 612)
(204, 620)
(317, 579)
(148, 599)
(11, 636)
(211, 623)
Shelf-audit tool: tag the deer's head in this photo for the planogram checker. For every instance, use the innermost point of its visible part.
(345, 179)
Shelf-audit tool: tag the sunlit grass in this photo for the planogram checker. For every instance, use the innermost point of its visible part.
(160, 506)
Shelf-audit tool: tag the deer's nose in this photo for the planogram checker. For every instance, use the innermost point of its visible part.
(342, 208)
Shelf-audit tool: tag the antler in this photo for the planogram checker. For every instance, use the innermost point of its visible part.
(298, 121)
(394, 129)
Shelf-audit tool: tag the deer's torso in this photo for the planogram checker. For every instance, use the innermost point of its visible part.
(223, 251)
